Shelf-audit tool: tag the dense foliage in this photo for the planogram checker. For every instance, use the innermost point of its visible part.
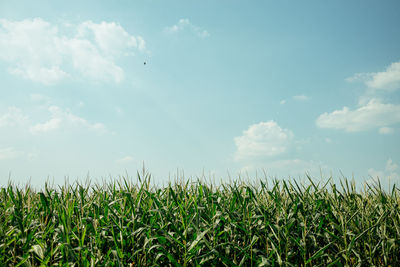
(195, 223)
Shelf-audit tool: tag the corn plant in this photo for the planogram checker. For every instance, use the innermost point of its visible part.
(193, 223)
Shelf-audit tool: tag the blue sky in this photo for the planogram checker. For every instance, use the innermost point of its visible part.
(287, 87)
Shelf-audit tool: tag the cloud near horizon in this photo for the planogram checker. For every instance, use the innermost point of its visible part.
(42, 52)
(9, 153)
(262, 139)
(390, 173)
(126, 160)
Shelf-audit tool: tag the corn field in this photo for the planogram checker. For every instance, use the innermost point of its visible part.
(273, 223)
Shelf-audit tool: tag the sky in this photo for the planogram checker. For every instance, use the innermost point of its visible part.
(214, 89)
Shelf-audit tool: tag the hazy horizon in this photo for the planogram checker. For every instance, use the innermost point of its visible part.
(219, 87)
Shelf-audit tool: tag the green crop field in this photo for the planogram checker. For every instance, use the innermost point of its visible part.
(194, 223)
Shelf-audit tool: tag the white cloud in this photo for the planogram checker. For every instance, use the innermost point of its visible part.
(359, 77)
(42, 52)
(64, 118)
(111, 37)
(186, 24)
(386, 130)
(125, 160)
(386, 80)
(30, 46)
(89, 62)
(45, 75)
(262, 139)
(282, 102)
(374, 114)
(50, 125)
(13, 117)
(9, 153)
(301, 97)
(40, 98)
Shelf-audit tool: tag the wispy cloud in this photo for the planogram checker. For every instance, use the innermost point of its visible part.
(42, 52)
(13, 117)
(40, 98)
(262, 139)
(59, 119)
(111, 38)
(374, 114)
(9, 153)
(64, 119)
(126, 160)
(301, 97)
(386, 130)
(185, 24)
(388, 79)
